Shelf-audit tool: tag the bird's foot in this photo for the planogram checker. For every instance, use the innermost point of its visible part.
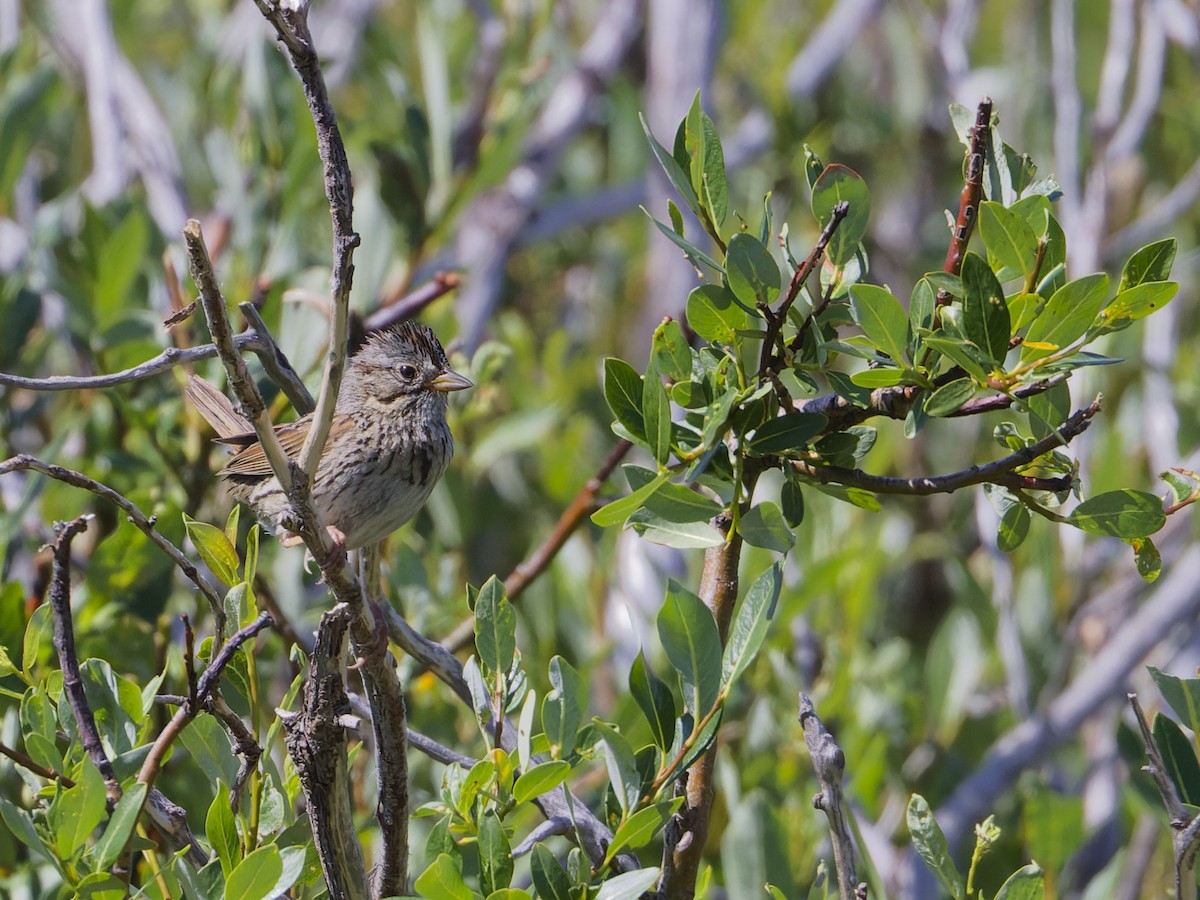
(377, 646)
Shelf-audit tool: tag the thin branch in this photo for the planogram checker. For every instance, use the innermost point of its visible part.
(26, 763)
(591, 834)
(1185, 831)
(291, 26)
(559, 825)
(539, 560)
(998, 471)
(972, 192)
(409, 306)
(68, 659)
(205, 692)
(136, 517)
(257, 339)
(829, 763)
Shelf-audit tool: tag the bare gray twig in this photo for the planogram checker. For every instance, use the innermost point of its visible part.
(829, 763)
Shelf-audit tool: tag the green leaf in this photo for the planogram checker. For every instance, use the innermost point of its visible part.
(689, 636)
(37, 634)
(880, 377)
(693, 253)
(1181, 694)
(480, 778)
(637, 830)
(1011, 244)
(495, 628)
(682, 535)
(443, 880)
(215, 549)
(750, 623)
(628, 885)
(656, 410)
(1179, 756)
(495, 854)
(789, 432)
(619, 510)
(1027, 883)
(703, 146)
(670, 353)
(623, 391)
(921, 304)
(1136, 303)
(118, 264)
(673, 502)
(221, 831)
(549, 879)
(927, 837)
(255, 876)
(1048, 410)
(20, 825)
(962, 352)
(715, 315)
(881, 317)
(1067, 315)
(1014, 527)
(562, 710)
(622, 765)
(77, 811)
(949, 397)
(120, 826)
(791, 499)
(654, 699)
(835, 184)
(1147, 558)
(540, 779)
(1150, 263)
(209, 746)
(985, 313)
(673, 170)
(764, 526)
(752, 272)
(1125, 514)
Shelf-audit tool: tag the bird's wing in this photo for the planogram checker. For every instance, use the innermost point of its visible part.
(252, 461)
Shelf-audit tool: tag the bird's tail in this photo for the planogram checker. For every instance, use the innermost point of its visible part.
(231, 427)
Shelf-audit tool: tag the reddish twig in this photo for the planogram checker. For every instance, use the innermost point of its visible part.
(539, 560)
(972, 192)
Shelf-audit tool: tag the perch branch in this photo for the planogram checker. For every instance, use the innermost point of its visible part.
(291, 26)
(829, 763)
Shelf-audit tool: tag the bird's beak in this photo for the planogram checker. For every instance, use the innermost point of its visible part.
(449, 381)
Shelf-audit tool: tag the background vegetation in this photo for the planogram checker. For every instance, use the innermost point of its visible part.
(479, 148)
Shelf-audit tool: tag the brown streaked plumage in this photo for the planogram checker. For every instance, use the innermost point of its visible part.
(388, 443)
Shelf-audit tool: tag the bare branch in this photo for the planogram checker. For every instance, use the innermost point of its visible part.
(409, 306)
(998, 471)
(829, 763)
(136, 516)
(316, 741)
(291, 25)
(972, 192)
(68, 659)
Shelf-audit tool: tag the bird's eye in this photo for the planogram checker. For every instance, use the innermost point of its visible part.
(408, 372)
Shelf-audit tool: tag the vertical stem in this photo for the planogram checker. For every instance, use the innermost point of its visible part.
(689, 829)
